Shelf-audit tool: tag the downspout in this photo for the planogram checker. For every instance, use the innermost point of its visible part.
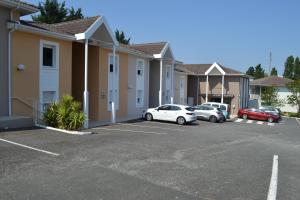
(9, 61)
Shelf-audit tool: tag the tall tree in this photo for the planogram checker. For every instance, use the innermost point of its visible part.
(250, 71)
(297, 69)
(259, 72)
(274, 72)
(289, 67)
(294, 98)
(51, 12)
(74, 14)
(270, 97)
(120, 36)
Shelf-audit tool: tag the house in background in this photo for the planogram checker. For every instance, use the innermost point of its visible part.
(161, 75)
(9, 11)
(216, 83)
(275, 81)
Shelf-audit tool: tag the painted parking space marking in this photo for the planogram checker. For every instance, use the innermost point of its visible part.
(248, 121)
(154, 127)
(28, 147)
(274, 179)
(127, 130)
(298, 120)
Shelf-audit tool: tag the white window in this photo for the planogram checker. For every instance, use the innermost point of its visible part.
(49, 55)
(140, 79)
(48, 98)
(113, 82)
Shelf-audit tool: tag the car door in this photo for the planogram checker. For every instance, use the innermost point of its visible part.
(173, 113)
(162, 112)
(199, 111)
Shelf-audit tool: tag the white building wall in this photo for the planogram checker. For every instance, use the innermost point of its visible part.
(283, 93)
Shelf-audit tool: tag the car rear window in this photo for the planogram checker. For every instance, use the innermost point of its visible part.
(222, 107)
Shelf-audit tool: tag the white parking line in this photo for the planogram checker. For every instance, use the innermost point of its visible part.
(297, 120)
(249, 121)
(271, 124)
(28, 147)
(156, 127)
(274, 178)
(133, 131)
(260, 122)
(238, 120)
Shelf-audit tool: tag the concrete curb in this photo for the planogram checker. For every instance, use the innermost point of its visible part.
(64, 131)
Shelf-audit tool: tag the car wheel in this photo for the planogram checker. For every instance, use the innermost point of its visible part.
(213, 119)
(181, 120)
(245, 116)
(149, 117)
(270, 119)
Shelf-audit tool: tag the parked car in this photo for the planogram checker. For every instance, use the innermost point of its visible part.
(271, 109)
(225, 108)
(171, 112)
(258, 114)
(210, 113)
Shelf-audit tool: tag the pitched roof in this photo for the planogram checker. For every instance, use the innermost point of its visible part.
(150, 48)
(271, 81)
(24, 7)
(70, 28)
(200, 69)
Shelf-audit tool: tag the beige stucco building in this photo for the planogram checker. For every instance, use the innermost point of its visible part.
(216, 83)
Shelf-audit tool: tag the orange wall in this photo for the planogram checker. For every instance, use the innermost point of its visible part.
(98, 81)
(25, 84)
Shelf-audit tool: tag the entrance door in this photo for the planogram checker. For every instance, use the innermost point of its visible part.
(215, 99)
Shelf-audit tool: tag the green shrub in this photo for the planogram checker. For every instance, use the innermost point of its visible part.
(65, 115)
(50, 116)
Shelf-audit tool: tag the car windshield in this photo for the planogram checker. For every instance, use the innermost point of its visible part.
(189, 108)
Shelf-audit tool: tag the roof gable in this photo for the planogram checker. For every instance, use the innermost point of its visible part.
(158, 49)
(214, 69)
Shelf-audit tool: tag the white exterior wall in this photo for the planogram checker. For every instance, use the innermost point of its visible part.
(283, 93)
(134, 84)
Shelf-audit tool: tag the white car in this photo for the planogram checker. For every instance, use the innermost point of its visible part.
(171, 112)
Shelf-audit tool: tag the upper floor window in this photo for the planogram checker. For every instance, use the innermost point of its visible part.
(140, 68)
(49, 53)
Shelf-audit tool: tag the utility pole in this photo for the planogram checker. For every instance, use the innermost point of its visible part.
(270, 64)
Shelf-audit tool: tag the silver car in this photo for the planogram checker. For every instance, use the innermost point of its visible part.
(209, 113)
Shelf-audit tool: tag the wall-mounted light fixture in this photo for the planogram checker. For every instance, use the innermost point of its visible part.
(21, 67)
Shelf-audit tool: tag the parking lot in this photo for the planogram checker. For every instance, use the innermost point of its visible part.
(152, 160)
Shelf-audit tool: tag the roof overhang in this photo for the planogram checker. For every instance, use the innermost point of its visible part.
(163, 51)
(17, 26)
(215, 65)
(94, 27)
(24, 8)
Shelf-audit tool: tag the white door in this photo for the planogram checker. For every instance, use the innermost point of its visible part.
(113, 83)
(168, 84)
(48, 74)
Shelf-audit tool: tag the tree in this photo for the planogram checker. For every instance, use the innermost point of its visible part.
(51, 12)
(120, 36)
(74, 14)
(274, 72)
(270, 97)
(250, 71)
(294, 98)
(289, 68)
(297, 69)
(259, 72)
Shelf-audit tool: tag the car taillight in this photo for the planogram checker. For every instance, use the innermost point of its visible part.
(190, 113)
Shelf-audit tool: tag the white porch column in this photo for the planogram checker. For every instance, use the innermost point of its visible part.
(86, 93)
(172, 83)
(113, 109)
(160, 82)
(206, 97)
(222, 99)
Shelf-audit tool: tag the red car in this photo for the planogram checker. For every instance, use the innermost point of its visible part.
(257, 114)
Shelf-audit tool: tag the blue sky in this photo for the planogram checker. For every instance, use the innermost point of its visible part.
(236, 33)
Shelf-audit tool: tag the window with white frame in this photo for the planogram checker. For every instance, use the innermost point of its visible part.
(140, 79)
(49, 55)
(113, 82)
(48, 98)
